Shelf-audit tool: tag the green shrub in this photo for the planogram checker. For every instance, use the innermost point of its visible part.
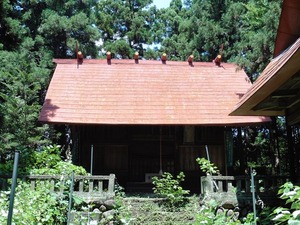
(290, 215)
(60, 168)
(48, 162)
(47, 157)
(207, 167)
(40, 206)
(169, 188)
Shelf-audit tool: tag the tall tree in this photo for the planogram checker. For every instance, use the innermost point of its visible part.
(258, 31)
(20, 89)
(10, 26)
(32, 33)
(56, 26)
(125, 25)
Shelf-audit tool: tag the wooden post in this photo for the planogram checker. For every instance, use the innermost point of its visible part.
(291, 151)
(91, 185)
(100, 187)
(111, 183)
(206, 184)
(240, 151)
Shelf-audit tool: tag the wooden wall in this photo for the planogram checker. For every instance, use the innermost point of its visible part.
(132, 151)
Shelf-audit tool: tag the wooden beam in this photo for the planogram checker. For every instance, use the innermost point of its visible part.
(293, 114)
(295, 100)
(284, 94)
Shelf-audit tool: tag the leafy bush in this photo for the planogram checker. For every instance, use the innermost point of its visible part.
(169, 188)
(207, 167)
(48, 157)
(40, 206)
(207, 215)
(61, 168)
(291, 215)
(48, 162)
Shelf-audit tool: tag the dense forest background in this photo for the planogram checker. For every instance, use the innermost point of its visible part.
(33, 32)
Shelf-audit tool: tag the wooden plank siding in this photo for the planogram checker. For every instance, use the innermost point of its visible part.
(131, 152)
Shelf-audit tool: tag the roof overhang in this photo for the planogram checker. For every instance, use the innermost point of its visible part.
(277, 90)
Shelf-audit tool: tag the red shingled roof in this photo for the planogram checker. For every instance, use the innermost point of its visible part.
(145, 93)
(288, 30)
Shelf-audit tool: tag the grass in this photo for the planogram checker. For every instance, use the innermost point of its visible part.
(151, 211)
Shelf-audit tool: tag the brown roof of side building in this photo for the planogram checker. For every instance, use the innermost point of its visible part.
(150, 92)
(276, 89)
(288, 30)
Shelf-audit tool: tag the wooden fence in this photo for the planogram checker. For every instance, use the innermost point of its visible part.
(238, 188)
(84, 186)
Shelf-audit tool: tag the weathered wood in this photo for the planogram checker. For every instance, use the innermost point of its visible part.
(91, 185)
(111, 183)
(88, 186)
(81, 186)
(266, 188)
(52, 182)
(32, 185)
(100, 186)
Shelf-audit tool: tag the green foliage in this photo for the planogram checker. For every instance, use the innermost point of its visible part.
(207, 167)
(264, 217)
(21, 82)
(40, 206)
(45, 161)
(256, 44)
(291, 214)
(208, 215)
(47, 157)
(48, 161)
(125, 25)
(169, 188)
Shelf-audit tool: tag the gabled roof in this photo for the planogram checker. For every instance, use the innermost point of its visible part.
(150, 92)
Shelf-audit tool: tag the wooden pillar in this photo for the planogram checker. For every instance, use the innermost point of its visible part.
(240, 152)
(291, 151)
(274, 146)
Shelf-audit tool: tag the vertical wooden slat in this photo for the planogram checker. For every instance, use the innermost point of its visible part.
(32, 185)
(52, 183)
(100, 186)
(111, 184)
(81, 186)
(229, 186)
(61, 186)
(91, 185)
(220, 186)
(54, 180)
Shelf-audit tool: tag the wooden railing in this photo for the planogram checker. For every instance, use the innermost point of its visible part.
(239, 187)
(84, 186)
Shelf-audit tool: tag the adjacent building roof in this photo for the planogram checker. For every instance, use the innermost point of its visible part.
(288, 29)
(147, 92)
(276, 89)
